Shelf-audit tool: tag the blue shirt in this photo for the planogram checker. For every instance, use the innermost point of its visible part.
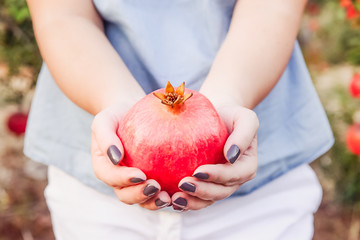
(161, 40)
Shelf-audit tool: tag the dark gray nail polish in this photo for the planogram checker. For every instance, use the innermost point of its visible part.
(160, 203)
(178, 208)
(189, 187)
(201, 176)
(150, 190)
(233, 154)
(181, 201)
(136, 180)
(114, 154)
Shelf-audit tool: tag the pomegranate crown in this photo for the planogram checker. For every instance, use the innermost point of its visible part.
(173, 97)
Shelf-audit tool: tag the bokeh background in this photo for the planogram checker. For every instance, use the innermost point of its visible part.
(330, 39)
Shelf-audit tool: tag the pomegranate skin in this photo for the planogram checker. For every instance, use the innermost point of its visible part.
(167, 143)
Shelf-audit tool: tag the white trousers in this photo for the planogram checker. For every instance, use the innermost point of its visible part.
(282, 209)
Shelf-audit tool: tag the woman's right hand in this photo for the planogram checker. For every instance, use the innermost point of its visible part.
(130, 184)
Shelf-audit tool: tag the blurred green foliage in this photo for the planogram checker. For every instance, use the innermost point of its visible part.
(344, 168)
(339, 38)
(346, 34)
(340, 44)
(350, 41)
(329, 39)
(17, 41)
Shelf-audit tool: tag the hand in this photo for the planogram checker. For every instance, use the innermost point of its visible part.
(211, 183)
(130, 184)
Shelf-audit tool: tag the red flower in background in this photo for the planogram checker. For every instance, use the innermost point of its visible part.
(346, 3)
(17, 123)
(353, 138)
(353, 132)
(313, 8)
(354, 86)
(351, 12)
(351, 7)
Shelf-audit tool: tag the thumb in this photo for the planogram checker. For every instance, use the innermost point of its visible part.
(104, 128)
(243, 124)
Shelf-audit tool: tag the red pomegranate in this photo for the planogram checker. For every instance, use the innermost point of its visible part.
(354, 87)
(353, 138)
(17, 123)
(169, 138)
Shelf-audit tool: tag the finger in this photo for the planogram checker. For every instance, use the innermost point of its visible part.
(228, 174)
(161, 200)
(139, 193)
(244, 124)
(206, 190)
(183, 202)
(104, 128)
(114, 176)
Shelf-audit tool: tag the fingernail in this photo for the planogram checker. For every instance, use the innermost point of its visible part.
(189, 187)
(150, 190)
(180, 209)
(201, 176)
(160, 203)
(181, 201)
(136, 180)
(233, 153)
(114, 154)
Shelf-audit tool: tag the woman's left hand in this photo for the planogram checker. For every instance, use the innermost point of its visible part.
(211, 183)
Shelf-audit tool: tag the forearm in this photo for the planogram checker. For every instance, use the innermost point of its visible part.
(255, 52)
(82, 61)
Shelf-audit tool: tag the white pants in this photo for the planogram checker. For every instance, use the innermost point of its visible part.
(282, 210)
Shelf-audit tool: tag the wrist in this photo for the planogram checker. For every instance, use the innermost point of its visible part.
(222, 97)
(120, 97)
(125, 101)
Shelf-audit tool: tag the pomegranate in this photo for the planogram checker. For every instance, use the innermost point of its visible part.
(354, 87)
(168, 134)
(17, 123)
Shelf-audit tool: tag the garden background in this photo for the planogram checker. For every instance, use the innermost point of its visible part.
(330, 39)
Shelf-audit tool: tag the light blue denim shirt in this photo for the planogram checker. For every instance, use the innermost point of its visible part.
(161, 40)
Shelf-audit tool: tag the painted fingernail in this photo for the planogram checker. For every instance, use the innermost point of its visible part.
(233, 154)
(160, 203)
(150, 190)
(136, 180)
(181, 202)
(201, 176)
(189, 187)
(176, 208)
(114, 154)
